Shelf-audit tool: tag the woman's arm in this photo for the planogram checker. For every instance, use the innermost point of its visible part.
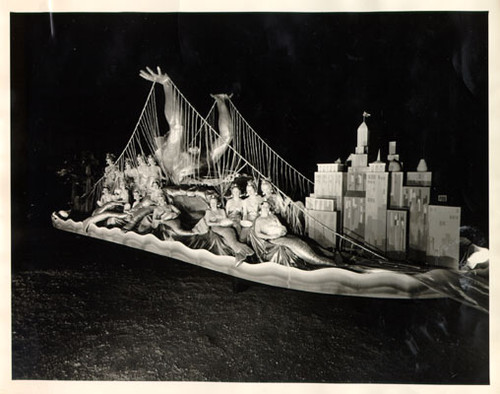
(244, 210)
(211, 219)
(269, 230)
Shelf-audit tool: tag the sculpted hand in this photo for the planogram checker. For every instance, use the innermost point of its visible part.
(150, 75)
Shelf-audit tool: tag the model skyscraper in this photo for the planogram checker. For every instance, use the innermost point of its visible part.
(443, 234)
(376, 204)
(372, 204)
(325, 204)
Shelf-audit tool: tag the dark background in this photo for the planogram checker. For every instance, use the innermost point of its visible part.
(301, 80)
(87, 309)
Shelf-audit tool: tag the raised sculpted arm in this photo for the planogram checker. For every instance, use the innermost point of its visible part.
(172, 109)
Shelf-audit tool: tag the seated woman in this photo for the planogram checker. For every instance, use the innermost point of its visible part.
(218, 235)
(163, 221)
(110, 171)
(141, 208)
(121, 194)
(287, 210)
(154, 171)
(131, 174)
(107, 202)
(216, 216)
(106, 197)
(234, 206)
(143, 171)
(127, 219)
(251, 203)
(128, 209)
(267, 226)
(154, 192)
(271, 243)
(277, 204)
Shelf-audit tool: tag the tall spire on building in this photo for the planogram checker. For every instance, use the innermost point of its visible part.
(378, 165)
(362, 139)
(422, 166)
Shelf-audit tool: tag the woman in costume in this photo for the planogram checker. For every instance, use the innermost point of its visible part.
(154, 171)
(131, 174)
(276, 203)
(218, 235)
(126, 216)
(234, 206)
(143, 171)
(155, 192)
(164, 220)
(235, 211)
(121, 194)
(267, 225)
(106, 197)
(107, 202)
(271, 243)
(252, 203)
(110, 172)
(287, 210)
(216, 216)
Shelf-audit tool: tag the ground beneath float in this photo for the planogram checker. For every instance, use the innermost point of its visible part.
(83, 309)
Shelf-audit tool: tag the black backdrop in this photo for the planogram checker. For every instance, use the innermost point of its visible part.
(301, 80)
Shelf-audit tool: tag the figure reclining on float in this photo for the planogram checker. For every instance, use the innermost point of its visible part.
(271, 241)
(145, 215)
(221, 236)
(113, 201)
(127, 217)
(291, 212)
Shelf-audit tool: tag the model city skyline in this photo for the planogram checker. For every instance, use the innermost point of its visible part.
(384, 207)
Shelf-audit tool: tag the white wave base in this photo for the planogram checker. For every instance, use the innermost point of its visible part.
(378, 283)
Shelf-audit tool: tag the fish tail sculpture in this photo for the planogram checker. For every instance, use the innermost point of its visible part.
(226, 131)
(303, 251)
(100, 218)
(174, 160)
(241, 251)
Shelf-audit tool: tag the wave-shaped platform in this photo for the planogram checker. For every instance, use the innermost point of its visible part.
(372, 282)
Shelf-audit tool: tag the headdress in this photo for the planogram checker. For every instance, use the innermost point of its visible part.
(265, 181)
(138, 191)
(110, 156)
(214, 197)
(251, 182)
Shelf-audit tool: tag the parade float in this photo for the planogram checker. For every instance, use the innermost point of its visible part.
(211, 192)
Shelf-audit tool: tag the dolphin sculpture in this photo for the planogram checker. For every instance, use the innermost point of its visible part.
(175, 161)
